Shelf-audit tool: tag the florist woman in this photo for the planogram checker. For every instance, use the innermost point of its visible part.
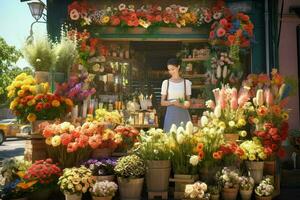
(175, 94)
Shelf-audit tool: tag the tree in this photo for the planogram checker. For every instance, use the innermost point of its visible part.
(9, 55)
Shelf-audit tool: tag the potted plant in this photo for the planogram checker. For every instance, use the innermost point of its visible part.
(155, 148)
(214, 192)
(196, 190)
(102, 169)
(228, 179)
(254, 154)
(45, 175)
(76, 181)
(104, 190)
(265, 189)
(246, 187)
(41, 57)
(65, 52)
(130, 171)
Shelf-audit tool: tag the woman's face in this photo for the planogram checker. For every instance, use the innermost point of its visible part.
(173, 70)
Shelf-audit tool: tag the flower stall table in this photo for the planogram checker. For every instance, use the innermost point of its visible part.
(35, 148)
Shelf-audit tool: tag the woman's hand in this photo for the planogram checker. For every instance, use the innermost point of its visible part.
(180, 105)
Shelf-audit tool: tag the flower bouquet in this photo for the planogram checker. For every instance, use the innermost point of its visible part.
(229, 181)
(155, 148)
(129, 136)
(246, 187)
(76, 181)
(105, 116)
(255, 154)
(130, 171)
(102, 169)
(104, 190)
(265, 189)
(196, 191)
(44, 175)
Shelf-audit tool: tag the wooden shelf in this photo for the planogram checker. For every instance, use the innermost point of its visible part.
(191, 76)
(193, 59)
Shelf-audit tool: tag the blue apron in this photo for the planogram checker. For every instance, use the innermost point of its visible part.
(175, 115)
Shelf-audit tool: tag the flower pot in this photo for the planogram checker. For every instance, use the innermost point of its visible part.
(40, 194)
(59, 77)
(231, 137)
(130, 188)
(157, 175)
(105, 178)
(263, 198)
(229, 193)
(246, 194)
(42, 76)
(256, 169)
(102, 198)
(214, 197)
(73, 196)
(102, 153)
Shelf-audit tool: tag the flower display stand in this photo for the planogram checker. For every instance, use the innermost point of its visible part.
(35, 148)
(180, 182)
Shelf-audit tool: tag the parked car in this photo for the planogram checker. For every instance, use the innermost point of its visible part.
(11, 128)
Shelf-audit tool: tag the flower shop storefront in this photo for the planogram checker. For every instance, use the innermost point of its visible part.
(94, 105)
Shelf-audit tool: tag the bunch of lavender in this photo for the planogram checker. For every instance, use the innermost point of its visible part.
(101, 167)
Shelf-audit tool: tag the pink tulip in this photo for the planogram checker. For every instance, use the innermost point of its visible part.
(222, 98)
(233, 99)
(269, 97)
(243, 98)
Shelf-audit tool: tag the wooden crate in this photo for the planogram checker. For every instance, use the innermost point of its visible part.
(35, 149)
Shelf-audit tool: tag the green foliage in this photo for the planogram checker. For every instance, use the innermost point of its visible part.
(130, 166)
(9, 55)
(40, 54)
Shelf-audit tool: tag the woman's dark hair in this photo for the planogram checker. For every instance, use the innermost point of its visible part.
(173, 61)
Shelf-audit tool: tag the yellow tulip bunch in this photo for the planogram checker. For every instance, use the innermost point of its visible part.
(253, 150)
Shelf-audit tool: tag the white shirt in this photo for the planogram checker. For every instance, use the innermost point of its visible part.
(176, 90)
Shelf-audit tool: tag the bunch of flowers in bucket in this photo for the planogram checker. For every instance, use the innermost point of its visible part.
(76, 181)
(183, 143)
(129, 136)
(228, 179)
(267, 112)
(106, 189)
(70, 144)
(31, 101)
(196, 190)
(102, 167)
(253, 150)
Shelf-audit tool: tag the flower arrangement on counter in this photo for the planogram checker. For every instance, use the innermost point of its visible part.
(131, 166)
(196, 190)
(253, 150)
(129, 136)
(76, 180)
(31, 101)
(183, 143)
(104, 189)
(228, 178)
(43, 173)
(265, 187)
(102, 115)
(102, 167)
(154, 145)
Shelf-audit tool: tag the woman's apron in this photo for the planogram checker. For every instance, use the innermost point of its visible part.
(175, 115)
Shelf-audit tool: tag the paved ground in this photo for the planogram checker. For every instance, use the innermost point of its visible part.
(12, 147)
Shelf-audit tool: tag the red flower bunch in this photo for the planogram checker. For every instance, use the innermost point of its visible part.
(128, 134)
(272, 137)
(228, 149)
(44, 172)
(78, 10)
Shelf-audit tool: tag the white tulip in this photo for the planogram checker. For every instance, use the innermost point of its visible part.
(173, 128)
(217, 111)
(204, 121)
(189, 127)
(180, 138)
(194, 160)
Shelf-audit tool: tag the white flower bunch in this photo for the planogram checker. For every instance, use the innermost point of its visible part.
(228, 178)
(246, 182)
(104, 189)
(265, 188)
(196, 190)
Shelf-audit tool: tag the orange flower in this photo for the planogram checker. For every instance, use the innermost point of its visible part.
(263, 78)
(25, 186)
(231, 39)
(276, 110)
(217, 155)
(200, 147)
(55, 103)
(69, 102)
(262, 111)
(201, 155)
(31, 117)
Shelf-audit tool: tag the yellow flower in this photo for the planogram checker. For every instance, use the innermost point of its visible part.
(32, 89)
(13, 104)
(17, 84)
(255, 121)
(78, 187)
(46, 87)
(25, 87)
(48, 141)
(285, 116)
(70, 186)
(55, 103)
(11, 93)
(252, 157)
(241, 122)
(69, 102)
(222, 125)
(56, 141)
(105, 19)
(243, 133)
(182, 22)
(31, 117)
(21, 77)
(31, 102)
(21, 93)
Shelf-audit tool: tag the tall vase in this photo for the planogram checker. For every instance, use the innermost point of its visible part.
(157, 175)
(58, 77)
(73, 196)
(130, 188)
(246, 194)
(256, 169)
(229, 193)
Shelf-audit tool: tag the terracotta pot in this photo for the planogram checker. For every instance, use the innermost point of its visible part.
(263, 198)
(42, 76)
(102, 153)
(214, 197)
(229, 193)
(256, 169)
(157, 175)
(73, 196)
(130, 188)
(41, 194)
(105, 178)
(231, 137)
(102, 198)
(246, 194)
